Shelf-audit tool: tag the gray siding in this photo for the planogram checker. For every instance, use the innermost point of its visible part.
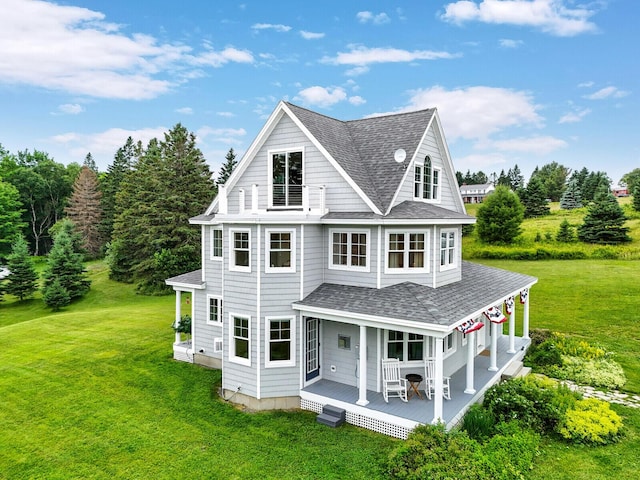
(422, 278)
(315, 259)
(344, 361)
(452, 275)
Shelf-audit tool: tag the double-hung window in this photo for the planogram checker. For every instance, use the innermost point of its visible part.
(216, 243)
(407, 251)
(448, 252)
(426, 184)
(240, 340)
(280, 255)
(214, 310)
(280, 342)
(406, 347)
(240, 258)
(349, 250)
(449, 346)
(286, 178)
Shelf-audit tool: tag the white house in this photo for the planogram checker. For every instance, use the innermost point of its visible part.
(335, 244)
(476, 193)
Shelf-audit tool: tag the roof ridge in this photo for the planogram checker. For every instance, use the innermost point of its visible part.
(390, 114)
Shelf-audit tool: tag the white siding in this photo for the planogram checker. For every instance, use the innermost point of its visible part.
(454, 274)
(349, 276)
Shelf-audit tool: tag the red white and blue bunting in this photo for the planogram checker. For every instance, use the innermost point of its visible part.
(470, 326)
(524, 295)
(509, 303)
(495, 315)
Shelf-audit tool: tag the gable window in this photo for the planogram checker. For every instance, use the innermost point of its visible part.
(447, 249)
(280, 251)
(214, 307)
(286, 179)
(280, 344)
(216, 243)
(349, 250)
(240, 342)
(426, 183)
(406, 251)
(406, 347)
(240, 241)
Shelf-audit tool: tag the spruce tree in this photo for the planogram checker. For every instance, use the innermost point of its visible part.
(64, 265)
(85, 211)
(227, 167)
(636, 198)
(566, 233)
(604, 222)
(535, 200)
(55, 296)
(22, 282)
(499, 217)
(572, 197)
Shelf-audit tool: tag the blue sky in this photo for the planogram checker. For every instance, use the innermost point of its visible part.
(524, 82)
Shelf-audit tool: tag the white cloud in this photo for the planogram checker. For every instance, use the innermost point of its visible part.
(76, 50)
(362, 56)
(270, 26)
(225, 114)
(607, 92)
(478, 161)
(540, 145)
(71, 108)
(321, 96)
(550, 16)
(370, 17)
(585, 84)
(185, 110)
(575, 116)
(357, 100)
(217, 59)
(311, 35)
(355, 71)
(509, 43)
(229, 136)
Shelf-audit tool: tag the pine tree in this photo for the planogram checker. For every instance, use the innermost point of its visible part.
(499, 217)
(535, 200)
(604, 222)
(85, 211)
(55, 296)
(636, 198)
(90, 163)
(572, 197)
(64, 265)
(565, 234)
(516, 179)
(22, 282)
(227, 167)
(10, 216)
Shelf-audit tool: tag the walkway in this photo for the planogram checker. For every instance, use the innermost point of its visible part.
(613, 396)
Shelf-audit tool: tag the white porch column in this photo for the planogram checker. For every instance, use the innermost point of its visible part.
(471, 347)
(512, 330)
(178, 313)
(362, 384)
(494, 346)
(525, 323)
(438, 374)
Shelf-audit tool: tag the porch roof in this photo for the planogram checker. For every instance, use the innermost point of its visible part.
(187, 280)
(445, 306)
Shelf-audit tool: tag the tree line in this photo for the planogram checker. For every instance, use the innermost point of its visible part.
(135, 214)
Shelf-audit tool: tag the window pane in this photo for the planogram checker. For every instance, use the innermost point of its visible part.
(417, 182)
(427, 178)
(217, 243)
(416, 259)
(242, 348)
(394, 350)
(242, 258)
(340, 248)
(279, 351)
(295, 178)
(396, 260)
(279, 177)
(436, 182)
(416, 350)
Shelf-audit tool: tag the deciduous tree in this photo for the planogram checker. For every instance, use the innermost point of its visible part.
(11, 223)
(500, 216)
(631, 180)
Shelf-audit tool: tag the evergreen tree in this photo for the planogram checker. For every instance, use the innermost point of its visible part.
(85, 211)
(22, 282)
(516, 179)
(572, 197)
(227, 167)
(90, 163)
(11, 222)
(535, 200)
(459, 178)
(631, 180)
(593, 183)
(566, 233)
(636, 198)
(604, 222)
(503, 179)
(55, 296)
(64, 265)
(553, 177)
(499, 217)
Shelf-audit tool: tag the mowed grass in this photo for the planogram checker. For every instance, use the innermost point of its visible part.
(92, 392)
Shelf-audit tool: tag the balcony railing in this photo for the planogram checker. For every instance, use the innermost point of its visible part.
(305, 199)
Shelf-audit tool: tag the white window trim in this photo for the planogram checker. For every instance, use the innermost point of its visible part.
(456, 249)
(349, 267)
(270, 154)
(406, 268)
(232, 344)
(211, 249)
(405, 348)
(438, 197)
(267, 250)
(450, 351)
(232, 250)
(292, 344)
(219, 299)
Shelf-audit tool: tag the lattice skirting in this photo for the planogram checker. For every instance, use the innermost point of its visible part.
(363, 421)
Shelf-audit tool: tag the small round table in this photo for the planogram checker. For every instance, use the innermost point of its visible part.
(414, 380)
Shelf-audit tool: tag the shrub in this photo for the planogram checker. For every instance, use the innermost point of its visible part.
(591, 421)
(511, 452)
(478, 422)
(599, 372)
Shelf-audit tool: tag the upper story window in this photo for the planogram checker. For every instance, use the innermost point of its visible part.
(286, 179)
(240, 258)
(406, 251)
(349, 250)
(448, 253)
(280, 251)
(426, 181)
(216, 243)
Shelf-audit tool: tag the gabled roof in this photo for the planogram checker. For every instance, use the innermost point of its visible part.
(445, 306)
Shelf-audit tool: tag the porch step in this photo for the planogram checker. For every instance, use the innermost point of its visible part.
(332, 416)
(515, 370)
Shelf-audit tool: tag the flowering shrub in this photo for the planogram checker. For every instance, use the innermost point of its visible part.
(591, 421)
(597, 373)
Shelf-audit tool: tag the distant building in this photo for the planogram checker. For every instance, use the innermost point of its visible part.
(476, 193)
(620, 191)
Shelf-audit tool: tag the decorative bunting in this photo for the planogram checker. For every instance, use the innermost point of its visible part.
(524, 295)
(470, 326)
(495, 315)
(509, 303)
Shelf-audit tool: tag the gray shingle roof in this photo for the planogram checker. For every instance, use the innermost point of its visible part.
(407, 210)
(191, 278)
(364, 148)
(480, 287)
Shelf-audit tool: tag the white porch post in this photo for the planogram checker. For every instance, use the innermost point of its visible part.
(494, 346)
(362, 384)
(471, 347)
(525, 323)
(512, 330)
(178, 314)
(438, 387)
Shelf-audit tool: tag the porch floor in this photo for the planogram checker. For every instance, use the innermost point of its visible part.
(421, 410)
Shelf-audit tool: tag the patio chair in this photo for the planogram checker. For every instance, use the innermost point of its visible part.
(392, 383)
(430, 380)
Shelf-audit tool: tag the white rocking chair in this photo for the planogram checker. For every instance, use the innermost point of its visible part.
(392, 383)
(430, 380)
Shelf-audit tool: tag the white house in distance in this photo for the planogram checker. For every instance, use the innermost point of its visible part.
(476, 193)
(334, 245)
